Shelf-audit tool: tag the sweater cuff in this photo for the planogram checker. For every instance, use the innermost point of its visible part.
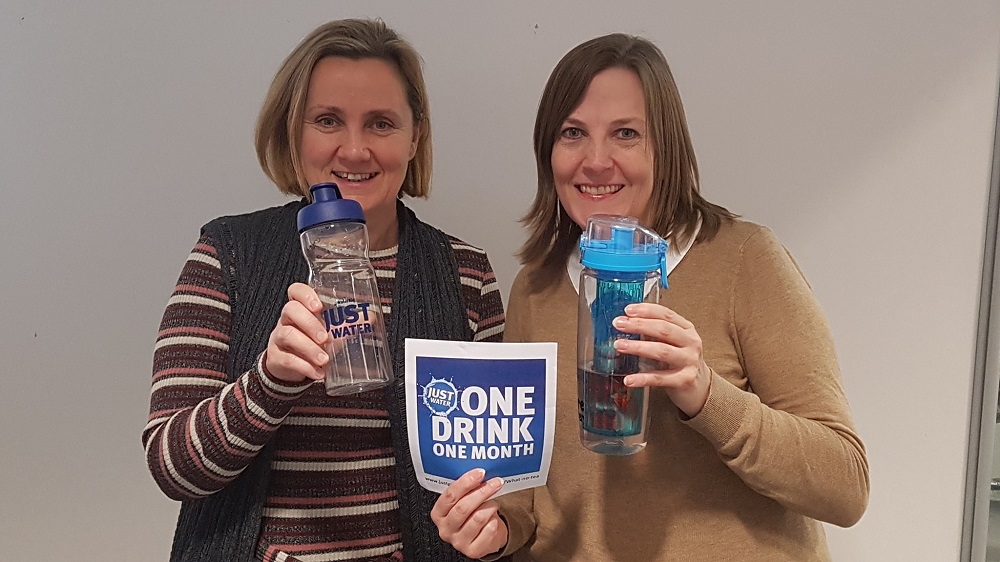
(724, 412)
(503, 551)
(272, 393)
(520, 520)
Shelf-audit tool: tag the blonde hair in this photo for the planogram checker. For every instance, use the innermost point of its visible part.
(676, 204)
(280, 122)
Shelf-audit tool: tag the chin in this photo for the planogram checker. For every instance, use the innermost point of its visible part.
(582, 218)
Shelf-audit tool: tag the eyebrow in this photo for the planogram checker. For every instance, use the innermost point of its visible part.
(616, 123)
(367, 115)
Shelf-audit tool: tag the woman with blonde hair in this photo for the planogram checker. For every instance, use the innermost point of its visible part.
(267, 465)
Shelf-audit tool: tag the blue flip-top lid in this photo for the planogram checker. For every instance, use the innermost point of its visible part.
(328, 205)
(619, 244)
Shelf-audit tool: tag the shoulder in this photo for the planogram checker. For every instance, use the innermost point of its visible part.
(738, 236)
(739, 231)
(263, 238)
(755, 254)
(739, 248)
(541, 306)
(532, 280)
(522, 284)
(459, 245)
(262, 216)
(470, 258)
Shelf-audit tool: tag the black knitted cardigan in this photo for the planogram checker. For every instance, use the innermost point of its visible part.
(260, 257)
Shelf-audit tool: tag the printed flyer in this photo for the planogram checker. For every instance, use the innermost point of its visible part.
(480, 405)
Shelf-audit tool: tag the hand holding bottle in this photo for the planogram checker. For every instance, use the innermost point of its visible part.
(673, 344)
(296, 347)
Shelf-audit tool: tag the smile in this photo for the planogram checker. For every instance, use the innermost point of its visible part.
(599, 189)
(355, 177)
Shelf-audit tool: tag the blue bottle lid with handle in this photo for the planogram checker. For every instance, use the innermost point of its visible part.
(619, 244)
(328, 205)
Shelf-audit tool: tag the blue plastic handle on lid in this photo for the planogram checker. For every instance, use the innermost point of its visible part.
(328, 206)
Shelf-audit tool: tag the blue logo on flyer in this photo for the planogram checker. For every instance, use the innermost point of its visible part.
(486, 413)
(441, 397)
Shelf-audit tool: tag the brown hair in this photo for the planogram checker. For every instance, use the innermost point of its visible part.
(676, 202)
(279, 124)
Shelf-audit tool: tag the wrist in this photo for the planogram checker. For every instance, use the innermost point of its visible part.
(276, 384)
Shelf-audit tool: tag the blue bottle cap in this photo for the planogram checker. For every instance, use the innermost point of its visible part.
(328, 205)
(619, 244)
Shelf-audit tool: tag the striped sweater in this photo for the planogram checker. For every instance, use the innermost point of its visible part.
(332, 489)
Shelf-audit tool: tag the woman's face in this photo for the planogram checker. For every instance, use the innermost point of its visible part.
(359, 133)
(602, 160)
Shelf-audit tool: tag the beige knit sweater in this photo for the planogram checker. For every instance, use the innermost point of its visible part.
(772, 453)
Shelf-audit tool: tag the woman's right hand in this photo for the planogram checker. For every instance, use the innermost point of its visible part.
(296, 349)
(467, 518)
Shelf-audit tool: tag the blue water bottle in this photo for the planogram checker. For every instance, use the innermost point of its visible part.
(623, 263)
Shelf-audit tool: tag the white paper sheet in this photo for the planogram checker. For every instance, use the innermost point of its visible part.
(480, 405)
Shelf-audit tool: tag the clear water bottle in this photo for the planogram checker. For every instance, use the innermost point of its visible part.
(335, 243)
(622, 265)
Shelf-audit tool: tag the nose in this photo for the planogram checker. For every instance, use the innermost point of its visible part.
(597, 158)
(355, 147)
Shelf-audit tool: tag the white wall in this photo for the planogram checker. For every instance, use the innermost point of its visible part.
(862, 132)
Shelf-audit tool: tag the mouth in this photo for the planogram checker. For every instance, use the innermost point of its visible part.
(355, 177)
(609, 189)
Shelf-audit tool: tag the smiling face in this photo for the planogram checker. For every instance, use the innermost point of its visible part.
(359, 133)
(602, 159)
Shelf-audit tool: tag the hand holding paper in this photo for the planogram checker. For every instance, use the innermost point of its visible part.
(467, 518)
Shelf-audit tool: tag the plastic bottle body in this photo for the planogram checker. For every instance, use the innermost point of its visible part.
(614, 419)
(345, 282)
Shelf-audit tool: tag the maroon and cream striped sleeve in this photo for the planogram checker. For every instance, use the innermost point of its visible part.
(482, 295)
(202, 431)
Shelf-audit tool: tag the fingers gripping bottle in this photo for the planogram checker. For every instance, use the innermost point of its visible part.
(335, 243)
(622, 265)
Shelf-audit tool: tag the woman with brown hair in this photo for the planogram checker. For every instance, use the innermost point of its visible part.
(267, 465)
(751, 443)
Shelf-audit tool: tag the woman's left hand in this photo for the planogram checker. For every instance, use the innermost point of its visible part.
(674, 346)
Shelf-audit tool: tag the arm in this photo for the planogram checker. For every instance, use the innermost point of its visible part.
(792, 438)
(202, 431)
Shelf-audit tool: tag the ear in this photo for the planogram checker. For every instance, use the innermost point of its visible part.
(415, 142)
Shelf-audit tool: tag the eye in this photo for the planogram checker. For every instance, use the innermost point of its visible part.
(383, 125)
(325, 121)
(571, 133)
(628, 134)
